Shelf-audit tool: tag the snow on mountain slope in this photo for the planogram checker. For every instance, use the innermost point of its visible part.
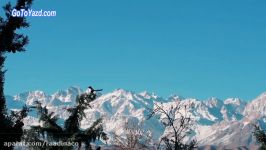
(257, 106)
(218, 122)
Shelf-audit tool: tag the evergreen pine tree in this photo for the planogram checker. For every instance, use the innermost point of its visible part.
(50, 131)
(11, 41)
(260, 136)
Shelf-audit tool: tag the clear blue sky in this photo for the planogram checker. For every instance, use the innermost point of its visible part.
(191, 48)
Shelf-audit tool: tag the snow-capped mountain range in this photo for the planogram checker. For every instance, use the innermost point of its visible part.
(218, 122)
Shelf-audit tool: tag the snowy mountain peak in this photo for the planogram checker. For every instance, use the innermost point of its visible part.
(262, 96)
(234, 101)
(74, 89)
(214, 102)
(175, 98)
(148, 95)
(217, 121)
(31, 96)
(123, 93)
(145, 94)
(257, 106)
(67, 95)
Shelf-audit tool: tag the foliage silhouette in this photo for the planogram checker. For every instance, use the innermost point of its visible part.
(135, 137)
(49, 131)
(179, 124)
(11, 41)
(260, 136)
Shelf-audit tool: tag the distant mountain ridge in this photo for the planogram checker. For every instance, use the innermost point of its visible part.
(218, 122)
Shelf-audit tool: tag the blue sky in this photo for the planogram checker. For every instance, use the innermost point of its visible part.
(191, 48)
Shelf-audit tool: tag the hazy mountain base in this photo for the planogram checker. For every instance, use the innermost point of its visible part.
(218, 123)
(229, 147)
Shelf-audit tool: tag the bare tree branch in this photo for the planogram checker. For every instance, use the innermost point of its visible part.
(179, 124)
